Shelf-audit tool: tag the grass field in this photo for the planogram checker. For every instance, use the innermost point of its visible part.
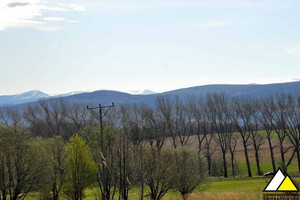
(212, 189)
(237, 188)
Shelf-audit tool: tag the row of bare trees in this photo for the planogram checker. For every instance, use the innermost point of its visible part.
(219, 123)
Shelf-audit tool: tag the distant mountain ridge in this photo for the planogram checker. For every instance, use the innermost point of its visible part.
(107, 96)
(250, 91)
(30, 96)
(25, 97)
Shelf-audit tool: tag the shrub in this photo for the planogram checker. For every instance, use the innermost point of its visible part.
(81, 169)
(187, 172)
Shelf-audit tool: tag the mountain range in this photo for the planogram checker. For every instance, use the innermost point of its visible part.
(149, 97)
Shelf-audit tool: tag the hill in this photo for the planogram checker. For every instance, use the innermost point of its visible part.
(108, 96)
(25, 97)
(243, 91)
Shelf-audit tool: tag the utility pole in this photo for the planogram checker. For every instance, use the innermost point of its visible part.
(100, 117)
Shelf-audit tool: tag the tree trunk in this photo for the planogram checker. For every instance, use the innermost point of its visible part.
(282, 157)
(208, 157)
(232, 164)
(3, 184)
(142, 190)
(174, 141)
(200, 161)
(257, 162)
(272, 155)
(209, 165)
(247, 158)
(55, 195)
(3, 195)
(298, 159)
(224, 164)
(185, 196)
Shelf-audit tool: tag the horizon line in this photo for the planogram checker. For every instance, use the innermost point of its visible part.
(128, 92)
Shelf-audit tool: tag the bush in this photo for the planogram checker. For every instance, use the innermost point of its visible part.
(81, 169)
(159, 172)
(187, 172)
(217, 168)
(21, 163)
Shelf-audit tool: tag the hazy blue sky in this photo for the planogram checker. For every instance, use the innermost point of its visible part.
(60, 46)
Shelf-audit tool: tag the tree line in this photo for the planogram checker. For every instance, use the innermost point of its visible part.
(53, 148)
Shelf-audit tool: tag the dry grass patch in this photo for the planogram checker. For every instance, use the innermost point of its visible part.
(224, 196)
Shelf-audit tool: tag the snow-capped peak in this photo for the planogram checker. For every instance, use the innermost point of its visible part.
(141, 92)
(33, 94)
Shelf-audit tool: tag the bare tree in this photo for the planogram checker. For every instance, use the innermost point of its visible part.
(218, 108)
(239, 119)
(4, 116)
(47, 118)
(279, 125)
(291, 116)
(165, 108)
(154, 127)
(202, 129)
(159, 172)
(232, 148)
(253, 127)
(265, 118)
(33, 118)
(10, 116)
(178, 119)
(77, 117)
(112, 117)
(182, 122)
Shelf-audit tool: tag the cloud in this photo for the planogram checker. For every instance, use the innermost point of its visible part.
(73, 7)
(48, 28)
(29, 13)
(15, 4)
(77, 7)
(58, 19)
(146, 4)
(54, 19)
(211, 24)
(293, 51)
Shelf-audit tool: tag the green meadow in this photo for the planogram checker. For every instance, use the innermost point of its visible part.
(213, 188)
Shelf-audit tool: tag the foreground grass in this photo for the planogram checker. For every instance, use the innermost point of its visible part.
(212, 189)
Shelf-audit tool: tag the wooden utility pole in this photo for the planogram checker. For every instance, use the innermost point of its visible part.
(100, 117)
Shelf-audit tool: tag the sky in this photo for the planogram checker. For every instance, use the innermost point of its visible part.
(59, 46)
